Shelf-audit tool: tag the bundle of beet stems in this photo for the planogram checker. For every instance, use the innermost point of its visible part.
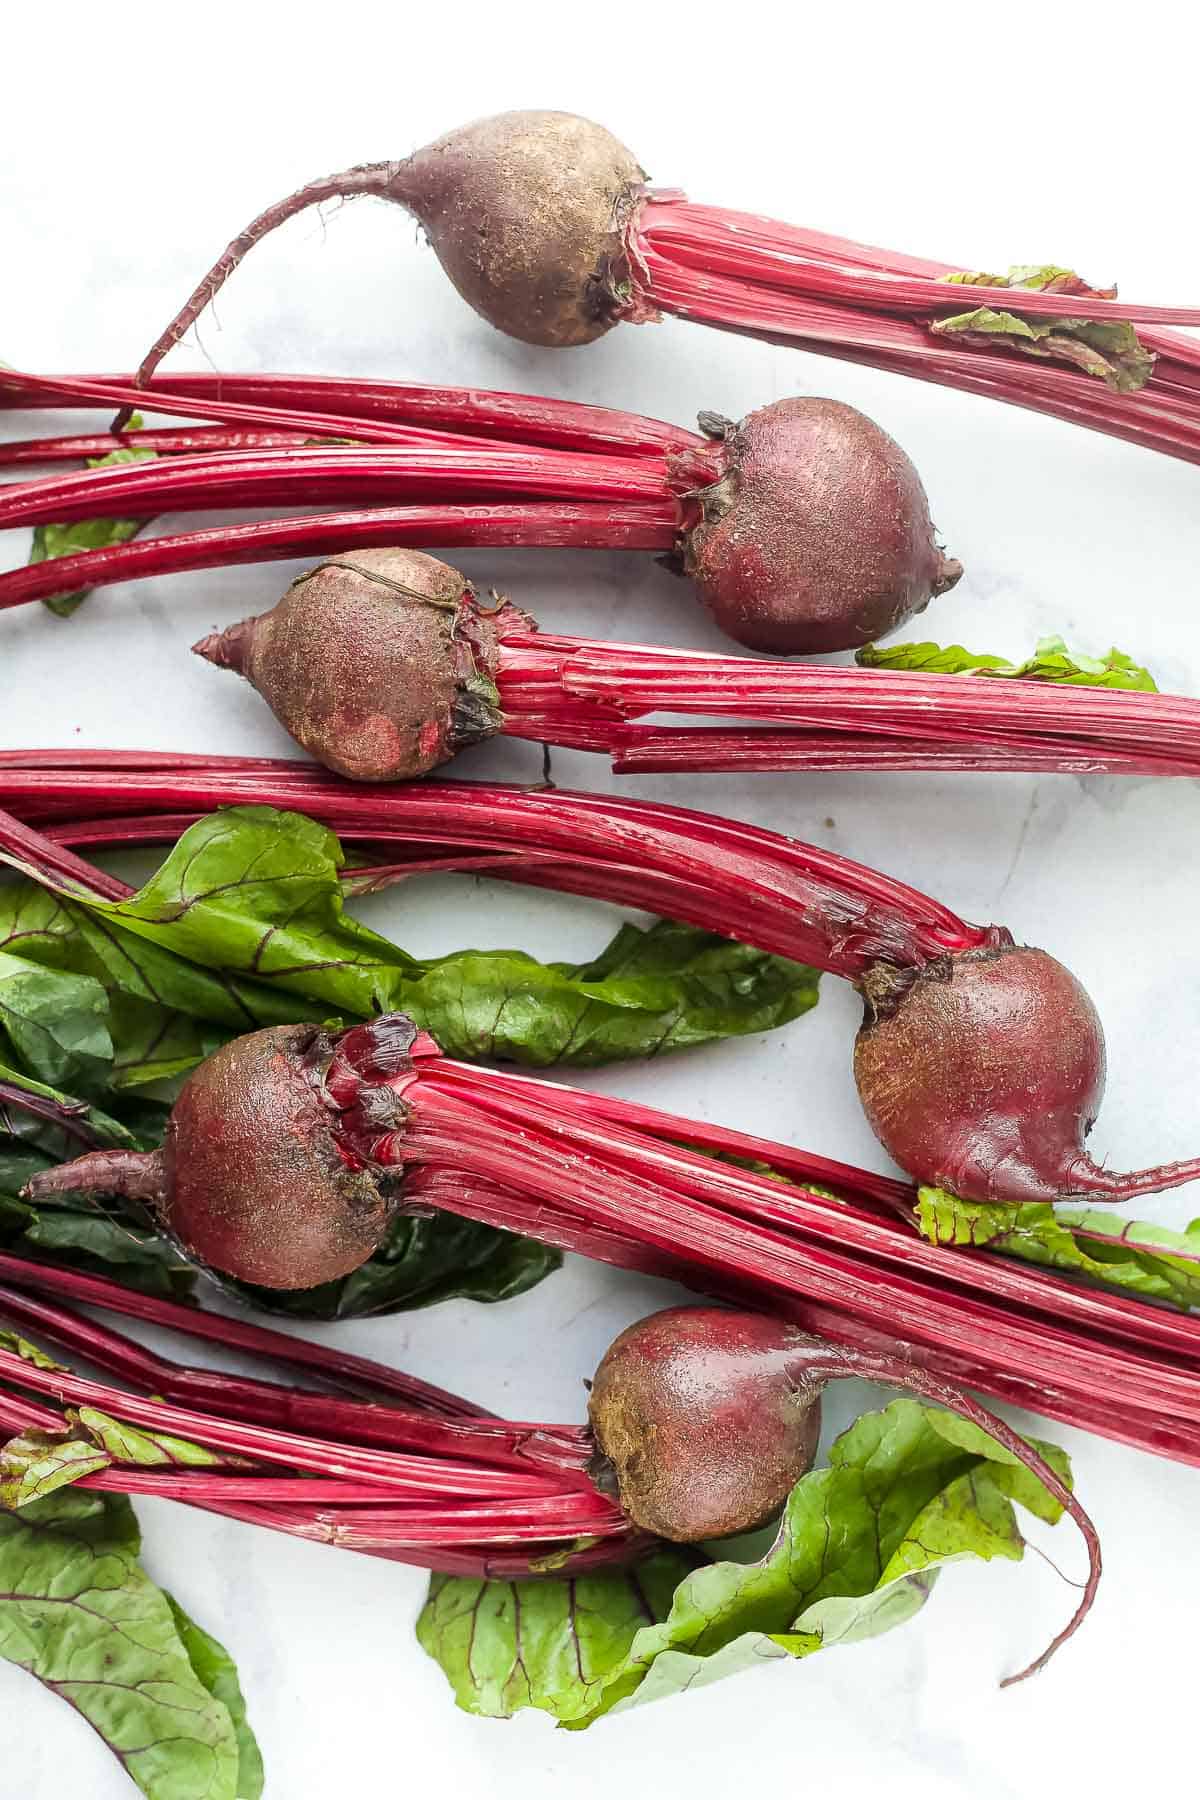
(543, 223)
(625, 1183)
(572, 692)
(413, 1474)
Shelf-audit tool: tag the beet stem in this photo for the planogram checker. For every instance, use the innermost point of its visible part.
(428, 409)
(790, 286)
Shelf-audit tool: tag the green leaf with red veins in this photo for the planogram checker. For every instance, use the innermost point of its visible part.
(79, 1613)
(1051, 661)
(256, 893)
(140, 1449)
(37, 1463)
(51, 541)
(1109, 349)
(1149, 1260)
(858, 1551)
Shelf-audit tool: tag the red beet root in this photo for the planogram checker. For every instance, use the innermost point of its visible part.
(708, 1418)
(522, 211)
(983, 1073)
(378, 662)
(702, 1422)
(817, 535)
(805, 526)
(253, 1179)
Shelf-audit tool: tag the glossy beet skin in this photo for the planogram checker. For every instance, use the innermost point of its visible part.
(983, 1073)
(257, 1177)
(816, 535)
(698, 1414)
(378, 662)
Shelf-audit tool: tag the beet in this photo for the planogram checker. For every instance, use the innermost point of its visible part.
(378, 662)
(255, 1178)
(705, 1419)
(816, 536)
(523, 211)
(983, 1073)
(705, 1430)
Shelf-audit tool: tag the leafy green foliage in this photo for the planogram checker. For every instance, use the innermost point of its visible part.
(79, 1613)
(858, 1551)
(243, 925)
(1051, 661)
(215, 1668)
(1109, 349)
(1143, 1259)
(51, 541)
(422, 1262)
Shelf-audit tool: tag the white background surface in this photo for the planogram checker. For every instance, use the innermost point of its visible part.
(134, 141)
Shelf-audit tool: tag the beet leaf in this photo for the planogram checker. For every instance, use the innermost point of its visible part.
(1051, 661)
(858, 1551)
(253, 895)
(79, 1613)
(1150, 1260)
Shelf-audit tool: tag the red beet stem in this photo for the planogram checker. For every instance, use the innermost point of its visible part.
(677, 1200)
(706, 1267)
(781, 894)
(764, 279)
(829, 268)
(410, 1476)
(579, 693)
(459, 474)
(582, 525)
(334, 1417)
(73, 391)
(475, 412)
(339, 1368)
(198, 440)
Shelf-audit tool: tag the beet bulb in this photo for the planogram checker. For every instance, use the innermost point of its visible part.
(523, 211)
(816, 535)
(705, 1419)
(257, 1177)
(983, 1073)
(378, 662)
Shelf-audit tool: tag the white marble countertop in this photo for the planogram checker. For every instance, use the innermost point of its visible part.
(134, 142)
